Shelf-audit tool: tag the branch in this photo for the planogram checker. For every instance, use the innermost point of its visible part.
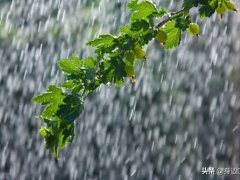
(173, 15)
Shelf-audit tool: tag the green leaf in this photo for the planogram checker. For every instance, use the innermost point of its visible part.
(50, 139)
(140, 25)
(59, 113)
(148, 37)
(51, 100)
(173, 34)
(208, 9)
(71, 109)
(103, 41)
(119, 70)
(104, 44)
(67, 135)
(119, 83)
(57, 135)
(188, 4)
(74, 84)
(90, 62)
(183, 22)
(70, 67)
(125, 30)
(79, 69)
(132, 4)
(70, 84)
(142, 11)
(46, 98)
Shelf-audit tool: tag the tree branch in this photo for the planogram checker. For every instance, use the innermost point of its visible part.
(173, 15)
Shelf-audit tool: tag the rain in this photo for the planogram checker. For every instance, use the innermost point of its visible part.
(181, 116)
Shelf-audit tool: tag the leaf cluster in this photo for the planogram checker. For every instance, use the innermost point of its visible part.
(114, 61)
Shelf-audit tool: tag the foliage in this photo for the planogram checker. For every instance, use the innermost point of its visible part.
(115, 59)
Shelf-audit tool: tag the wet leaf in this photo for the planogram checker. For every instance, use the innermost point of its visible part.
(144, 10)
(173, 34)
(103, 41)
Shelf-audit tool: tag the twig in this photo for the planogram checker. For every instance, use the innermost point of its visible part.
(173, 15)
